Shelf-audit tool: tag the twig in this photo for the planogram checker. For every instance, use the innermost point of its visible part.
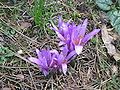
(17, 30)
(47, 84)
(17, 55)
(12, 67)
(31, 77)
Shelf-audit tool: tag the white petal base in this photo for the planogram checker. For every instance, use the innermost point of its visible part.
(78, 49)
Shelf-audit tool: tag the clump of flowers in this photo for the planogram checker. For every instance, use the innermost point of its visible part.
(72, 39)
(73, 36)
(49, 60)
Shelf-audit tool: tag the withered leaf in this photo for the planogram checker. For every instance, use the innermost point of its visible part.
(25, 25)
(107, 39)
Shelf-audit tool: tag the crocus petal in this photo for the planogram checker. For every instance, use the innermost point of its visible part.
(82, 28)
(38, 53)
(60, 36)
(45, 72)
(52, 62)
(89, 36)
(60, 59)
(85, 23)
(54, 27)
(61, 43)
(54, 52)
(64, 68)
(60, 21)
(72, 27)
(78, 49)
(44, 62)
(47, 55)
(71, 47)
(65, 50)
(34, 60)
(61, 48)
(64, 30)
(69, 21)
(64, 27)
(70, 55)
(68, 38)
(74, 35)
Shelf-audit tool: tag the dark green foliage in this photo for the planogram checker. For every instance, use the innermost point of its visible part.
(39, 12)
(114, 16)
(104, 4)
(11, 1)
(113, 13)
(114, 83)
(5, 54)
(119, 2)
(6, 30)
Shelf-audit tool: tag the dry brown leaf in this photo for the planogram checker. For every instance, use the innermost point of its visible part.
(30, 2)
(6, 89)
(20, 76)
(114, 69)
(117, 56)
(25, 25)
(107, 39)
(89, 73)
(1, 40)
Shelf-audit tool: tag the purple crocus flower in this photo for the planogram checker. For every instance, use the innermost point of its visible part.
(72, 39)
(44, 60)
(73, 36)
(52, 60)
(64, 58)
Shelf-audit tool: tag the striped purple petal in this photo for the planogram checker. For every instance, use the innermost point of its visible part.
(82, 28)
(60, 36)
(38, 53)
(89, 36)
(70, 55)
(35, 60)
(60, 21)
(64, 68)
